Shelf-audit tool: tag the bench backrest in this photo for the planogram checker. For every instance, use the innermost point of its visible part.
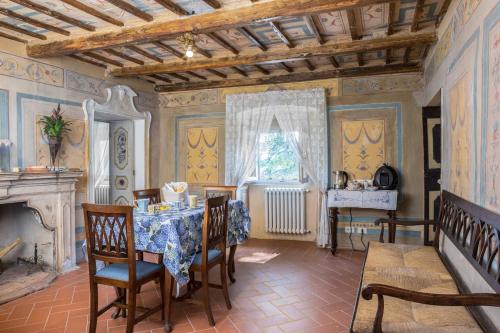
(474, 234)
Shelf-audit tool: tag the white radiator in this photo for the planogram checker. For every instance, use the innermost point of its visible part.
(101, 195)
(286, 210)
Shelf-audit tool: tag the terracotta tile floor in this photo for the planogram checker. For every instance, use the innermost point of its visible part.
(304, 289)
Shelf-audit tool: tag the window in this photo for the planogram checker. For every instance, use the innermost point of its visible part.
(276, 160)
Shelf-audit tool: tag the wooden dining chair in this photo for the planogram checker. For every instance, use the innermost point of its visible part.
(213, 253)
(154, 196)
(220, 190)
(110, 238)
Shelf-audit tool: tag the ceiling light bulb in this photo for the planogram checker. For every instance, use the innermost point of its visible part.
(189, 52)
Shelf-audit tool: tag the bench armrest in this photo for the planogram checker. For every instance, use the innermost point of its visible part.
(382, 290)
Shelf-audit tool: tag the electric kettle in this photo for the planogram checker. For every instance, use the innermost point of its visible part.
(340, 179)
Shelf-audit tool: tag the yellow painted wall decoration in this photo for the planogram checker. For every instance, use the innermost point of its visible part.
(363, 147)
(460, 141)
(202, 165)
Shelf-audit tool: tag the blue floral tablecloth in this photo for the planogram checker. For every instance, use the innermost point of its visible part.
(177, 234)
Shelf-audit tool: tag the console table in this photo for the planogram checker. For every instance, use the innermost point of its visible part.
(381, 199)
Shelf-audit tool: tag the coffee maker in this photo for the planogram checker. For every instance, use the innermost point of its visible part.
(339, 179)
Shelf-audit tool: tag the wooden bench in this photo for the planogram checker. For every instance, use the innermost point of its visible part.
(452, 286)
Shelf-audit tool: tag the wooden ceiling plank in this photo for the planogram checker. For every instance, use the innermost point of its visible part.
(14, 38)
(88, 61)
(390, 18)
(309, 65)
(160, 78)
(309, 76)
(103, 59)
(406, 57)
(416, 15)
(213, 3)
(311, 22)
(201, 77)
(22, 31)
(170, 49)
(225, 44)
(91, 11)
(280, 55)
(262, 69)
(179, 77)
(36, 23)
(144, 53)
(281, 34)
(388, 56)
(216, 73)
(173, 7)
(334, 62)
(239, 71)
(131, 9)
(252, 38)
(199, 24)
(52, 13)
(124, 56)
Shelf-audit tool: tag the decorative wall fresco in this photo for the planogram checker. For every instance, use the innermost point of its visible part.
(27, 69)
(202, 165)
(363, 147)
(121, 182)
(376, 84)
(202, 97)
(84, 83)
(490, 179)
(120, 138)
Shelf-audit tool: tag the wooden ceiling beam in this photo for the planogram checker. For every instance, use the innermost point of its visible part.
(33, 22)
(216, 73)
(442, 11)
(88, 61)
(173, 7)
(406, 57)
(213, 3)
(124, 56)
(239, 71)
(388, 56)
(252, 38)
(309, 76)
(15, 28)
(103, 59)
(311, 22)
(416, 15)
(179, 77)
(286, 67)
(334, 62)
(225, 44)
(203, 52)
(200, 24)
(170, 49)
(52, 13)
(14, 38)
(146, 54)
(390, 18)
(91, 11)
(160, 78)
(131, 9)
(361, 61)
(309, 65)
(353, 29)
(281, 34)
(273, 56)
(201, 77)
(262, 69)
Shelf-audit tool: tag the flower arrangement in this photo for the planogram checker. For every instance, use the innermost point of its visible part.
(54, 126)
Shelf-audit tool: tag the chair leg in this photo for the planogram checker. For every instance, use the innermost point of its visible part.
(93, 306)
(131, 303)
(223, 279)
(118, 310)
(168, 301)
(124, 311)
(231, 269)
(206, 298)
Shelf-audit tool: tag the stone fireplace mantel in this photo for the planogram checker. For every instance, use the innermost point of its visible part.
(52, 195)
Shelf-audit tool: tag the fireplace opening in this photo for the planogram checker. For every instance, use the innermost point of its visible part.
(27, 255)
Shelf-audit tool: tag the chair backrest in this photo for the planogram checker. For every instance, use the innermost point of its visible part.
(153, 194)
(218, 191)
(214, 225)
(110, 235)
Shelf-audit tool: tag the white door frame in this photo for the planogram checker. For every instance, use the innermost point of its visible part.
(119, 105)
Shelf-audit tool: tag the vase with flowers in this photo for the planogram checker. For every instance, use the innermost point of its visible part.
(54, 126)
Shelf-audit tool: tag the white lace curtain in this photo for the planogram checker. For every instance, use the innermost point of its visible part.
(301, 115)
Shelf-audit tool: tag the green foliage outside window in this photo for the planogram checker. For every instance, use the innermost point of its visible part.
(277, 161)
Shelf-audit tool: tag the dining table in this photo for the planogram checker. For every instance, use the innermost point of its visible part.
(177, 234)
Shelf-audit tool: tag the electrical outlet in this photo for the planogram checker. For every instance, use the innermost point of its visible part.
(362, 230)
(348, 230)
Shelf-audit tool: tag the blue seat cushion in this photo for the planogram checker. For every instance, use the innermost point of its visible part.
(120, 271)
(212, 254)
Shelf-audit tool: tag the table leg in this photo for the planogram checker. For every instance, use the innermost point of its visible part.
(169, 286)
(392, 227)
(334, 221)
(381, 236)
(230, 267)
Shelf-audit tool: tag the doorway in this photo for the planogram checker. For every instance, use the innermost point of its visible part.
(124, 162)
